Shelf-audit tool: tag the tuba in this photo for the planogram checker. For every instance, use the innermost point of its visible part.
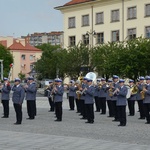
(143, 92)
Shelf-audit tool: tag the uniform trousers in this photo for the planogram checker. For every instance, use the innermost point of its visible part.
(18, 110)
(82, 106)
(110, 110)
(58, 110)
(141, 108)
(90, 112)
(103, 104)
(6, 107)
(97, 103)
(51, 103)
(31, 108)
(71, 102)
(122, 114)
(78, 105)
(115, 110)
(131, 104)
(147, 111)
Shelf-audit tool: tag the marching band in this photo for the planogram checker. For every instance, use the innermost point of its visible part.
(115, 93)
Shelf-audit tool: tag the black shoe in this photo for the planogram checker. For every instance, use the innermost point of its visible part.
(97, 111)
(83, 118)
(17, 123)
(147, 122)
(141, 118)
(116, 120)
(102, 113)
(30, 118)
(58, 120)
(5, 117)
(87, 122)
(77, 112)
(121, 125)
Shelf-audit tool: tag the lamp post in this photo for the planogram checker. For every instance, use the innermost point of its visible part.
(90, 35)
(1, 61)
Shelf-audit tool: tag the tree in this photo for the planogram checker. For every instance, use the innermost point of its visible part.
(21, 76)
(7, 58)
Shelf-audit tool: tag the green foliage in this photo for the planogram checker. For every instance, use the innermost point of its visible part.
(21, 76)
(126, 59)
(7, 58)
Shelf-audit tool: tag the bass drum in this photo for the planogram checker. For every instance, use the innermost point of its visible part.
(128, 92)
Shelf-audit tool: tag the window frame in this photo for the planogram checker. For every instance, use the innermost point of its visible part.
(74, 22)
(96, 19)
(72, 41)
(128, 14)
(84, 24)
(118, 17)
(116, 37)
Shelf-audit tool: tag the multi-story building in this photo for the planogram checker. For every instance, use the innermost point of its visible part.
(98, 21)
(24, 55)
(36, 39)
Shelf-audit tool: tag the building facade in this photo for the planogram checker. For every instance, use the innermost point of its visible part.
(36, 39)
(99, 21)
(24, 55)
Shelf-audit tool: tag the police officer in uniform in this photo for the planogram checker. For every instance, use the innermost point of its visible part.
(50, 96)
(109, 97)
(121, 93)
(5, 96)
(114, 97)
(96, 94)
(139, 97)
(146, 100)
(31, 90)
(102, 95)
(58, 92)
(132, 99)
(89, 101)
(17, 98)
(71, 94)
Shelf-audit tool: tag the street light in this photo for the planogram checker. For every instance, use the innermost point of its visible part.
(91, 35)
(1, 61)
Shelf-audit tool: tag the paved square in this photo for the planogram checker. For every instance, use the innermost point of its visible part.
(72, 133)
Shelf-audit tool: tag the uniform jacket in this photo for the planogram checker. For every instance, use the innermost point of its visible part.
(96, 92)
(102, 91)
(72, 90)
(121, 96)
(5, 92)
(83, 86)
(140, 88)
(31, 91)
(18, 94)
(133, 97)
(58, 95)
(89, 94)
(147, 95)
(49, 90)
(114, 97)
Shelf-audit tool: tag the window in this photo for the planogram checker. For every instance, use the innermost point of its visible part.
(100, 38)
(23, 57)
(72, 40)
(99, 18)
(131, 33)
(31, 67)
(115, 15)
(132, 13)
(147, 32)
(71, 22)
(85, 20)
(115, 36)
(31, 57)
(85, 39)
(147, 10)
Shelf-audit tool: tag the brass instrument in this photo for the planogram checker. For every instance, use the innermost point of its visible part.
(143, 92)
(111, 89)
(134, 90)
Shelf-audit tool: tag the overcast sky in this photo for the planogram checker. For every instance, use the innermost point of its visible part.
(20, 17)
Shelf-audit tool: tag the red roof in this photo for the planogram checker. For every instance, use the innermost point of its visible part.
(16, 46)
(19, 46)
(73, 2)
(4, 43)
(29, 47)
